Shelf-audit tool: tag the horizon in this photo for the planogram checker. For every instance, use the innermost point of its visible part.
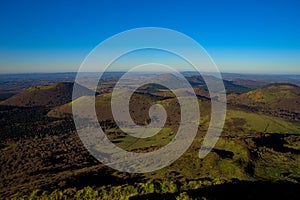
(183, 71)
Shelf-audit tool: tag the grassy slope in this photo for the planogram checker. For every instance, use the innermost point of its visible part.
(232, 157)
(237, 120)
(280, 98)
(249, 121)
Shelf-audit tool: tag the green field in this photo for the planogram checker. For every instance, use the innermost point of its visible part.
(243, 121)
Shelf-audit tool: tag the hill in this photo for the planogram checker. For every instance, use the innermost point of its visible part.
(237, 120)
(280, 99)
(47, 95)
(50, 161)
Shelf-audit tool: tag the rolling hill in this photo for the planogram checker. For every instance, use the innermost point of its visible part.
(237, 120)
(280, 99)
(47, 95)
(46, 158)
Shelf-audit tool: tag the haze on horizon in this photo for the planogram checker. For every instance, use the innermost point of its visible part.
(240, 36)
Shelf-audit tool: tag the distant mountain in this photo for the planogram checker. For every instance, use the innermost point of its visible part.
(47, 95)
(197, 82)
(258, 80)
(281, 99)
(248, 83)
(231, 87)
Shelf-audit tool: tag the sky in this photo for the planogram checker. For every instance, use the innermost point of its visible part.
(240, 36)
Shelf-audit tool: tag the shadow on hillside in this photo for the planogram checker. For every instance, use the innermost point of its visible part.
(100, 178)
(276, 142)
(238, 190)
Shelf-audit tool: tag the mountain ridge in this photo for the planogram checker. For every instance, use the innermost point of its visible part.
(47, 95)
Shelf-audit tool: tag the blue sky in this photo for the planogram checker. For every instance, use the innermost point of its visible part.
(241, 36)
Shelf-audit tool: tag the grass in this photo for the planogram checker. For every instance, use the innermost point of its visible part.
(269, 97)
(44, 87)
(260, 123)
(276, 166)
(190, 167)
(237, 121)
(295, 146)
(231, 158)
(125, 192)
(190, 171)
(129, 143)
